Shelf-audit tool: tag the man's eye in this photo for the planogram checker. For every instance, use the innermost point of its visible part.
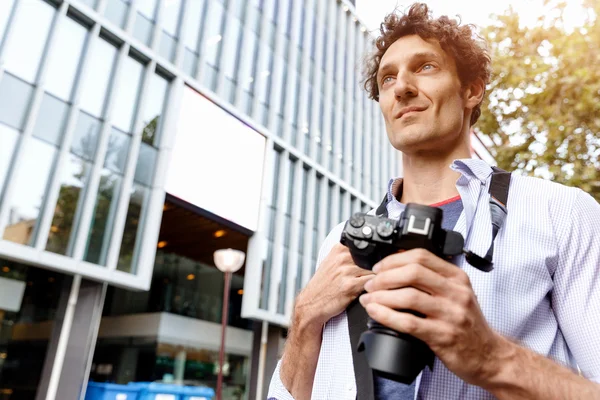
(427, 67)
(387, 80)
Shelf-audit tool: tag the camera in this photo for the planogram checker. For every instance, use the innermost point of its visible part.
(391, 354)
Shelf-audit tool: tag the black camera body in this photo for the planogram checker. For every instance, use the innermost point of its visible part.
(391, 354)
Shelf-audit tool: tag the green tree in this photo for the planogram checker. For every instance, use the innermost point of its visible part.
(542, 113)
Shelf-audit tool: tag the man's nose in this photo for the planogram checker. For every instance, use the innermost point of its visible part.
(405, 86)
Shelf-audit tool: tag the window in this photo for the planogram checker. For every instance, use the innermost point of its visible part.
(97, 79)
(144, 20)
(153, 109)
(65, 59)
(195, 14)
(25, 64)
(170, 25)
(6, 7)
(116, 12)
(213, 36)
(74, 179)
(230, 56)
(29, 192)
(52, 116)
(8, 138)
(127, 96)
(15, 96)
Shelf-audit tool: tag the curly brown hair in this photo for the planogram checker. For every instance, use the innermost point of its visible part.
(461, 42)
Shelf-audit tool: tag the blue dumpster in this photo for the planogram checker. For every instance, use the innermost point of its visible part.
(158, 391)
(110, 391)
(198, 393)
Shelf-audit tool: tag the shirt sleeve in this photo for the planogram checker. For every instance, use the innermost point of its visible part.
(277, 390)
(576, 293)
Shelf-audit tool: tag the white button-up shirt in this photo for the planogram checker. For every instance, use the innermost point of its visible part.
(544, 291)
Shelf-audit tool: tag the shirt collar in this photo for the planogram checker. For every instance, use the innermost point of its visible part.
(470, 168)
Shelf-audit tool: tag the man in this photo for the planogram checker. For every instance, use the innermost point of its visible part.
(502, 334)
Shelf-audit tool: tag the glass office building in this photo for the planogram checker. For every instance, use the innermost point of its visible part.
(138, 136)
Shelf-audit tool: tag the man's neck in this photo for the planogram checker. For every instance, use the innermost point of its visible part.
(429, 179)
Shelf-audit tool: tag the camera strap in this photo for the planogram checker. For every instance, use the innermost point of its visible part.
(358, 317)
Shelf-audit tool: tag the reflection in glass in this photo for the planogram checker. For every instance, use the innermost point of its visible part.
(191, 34)
(130, 232)
(153, 109)
(144, 170)
(29, 192)
(5, 11)
(74, 179)
(8, 138)
(85, 136)
(144, 20)
(51, 120)
(25, 48)
(213, 34)
(170, 23)
(65, 57)
(128, 90)
(103, 217)
(15, 96)
(117, 151)
(232, 48)
(97, 79)
(116, 12)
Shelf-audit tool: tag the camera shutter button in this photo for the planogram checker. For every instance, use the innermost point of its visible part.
(367, 231)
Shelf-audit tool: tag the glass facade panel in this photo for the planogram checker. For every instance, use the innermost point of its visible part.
(64, 60)
(25, 64)
(142, 29)
(213, 36)
(153, 109)
(144, 170)
(73, 181)
(116, 12)
(127, 253)
(117, 151)
(8, 138)
(85, 136)
(103, 217)
(98, 77)
(128, 90)
(6, 8)
(51, 120)
(29, 192)
(15, 96)
(25, 331)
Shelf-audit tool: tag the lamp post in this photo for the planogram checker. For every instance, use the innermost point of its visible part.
(227, 261)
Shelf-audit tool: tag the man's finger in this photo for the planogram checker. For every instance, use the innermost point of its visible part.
(421, 328)
(406, 299)
(417, 256)
(415, 275)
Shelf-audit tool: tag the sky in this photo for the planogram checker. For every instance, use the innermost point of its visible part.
(477, 12)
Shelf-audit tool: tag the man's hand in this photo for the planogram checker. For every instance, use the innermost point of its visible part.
(455, 328)
(335, 284)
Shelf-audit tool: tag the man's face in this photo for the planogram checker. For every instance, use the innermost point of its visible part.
(420, 96)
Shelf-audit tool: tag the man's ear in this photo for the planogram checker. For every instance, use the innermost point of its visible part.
(474, 93)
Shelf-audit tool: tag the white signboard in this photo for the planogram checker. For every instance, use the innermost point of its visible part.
(216, 161)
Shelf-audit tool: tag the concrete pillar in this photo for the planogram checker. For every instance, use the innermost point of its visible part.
(179, 369)
(81, 344)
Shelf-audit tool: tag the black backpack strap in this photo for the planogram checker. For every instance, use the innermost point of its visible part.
(498, 199)
(363, 374)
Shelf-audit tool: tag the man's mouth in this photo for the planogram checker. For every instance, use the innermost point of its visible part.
(409, 110)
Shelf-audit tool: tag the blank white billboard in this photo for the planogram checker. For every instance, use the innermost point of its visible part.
(216, 161)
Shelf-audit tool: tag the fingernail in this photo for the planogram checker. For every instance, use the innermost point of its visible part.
(376, 267)
(364, 299)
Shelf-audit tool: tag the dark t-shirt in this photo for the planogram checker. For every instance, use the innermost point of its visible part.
(386, 389)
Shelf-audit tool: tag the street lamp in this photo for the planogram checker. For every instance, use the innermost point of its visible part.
(228, 261)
